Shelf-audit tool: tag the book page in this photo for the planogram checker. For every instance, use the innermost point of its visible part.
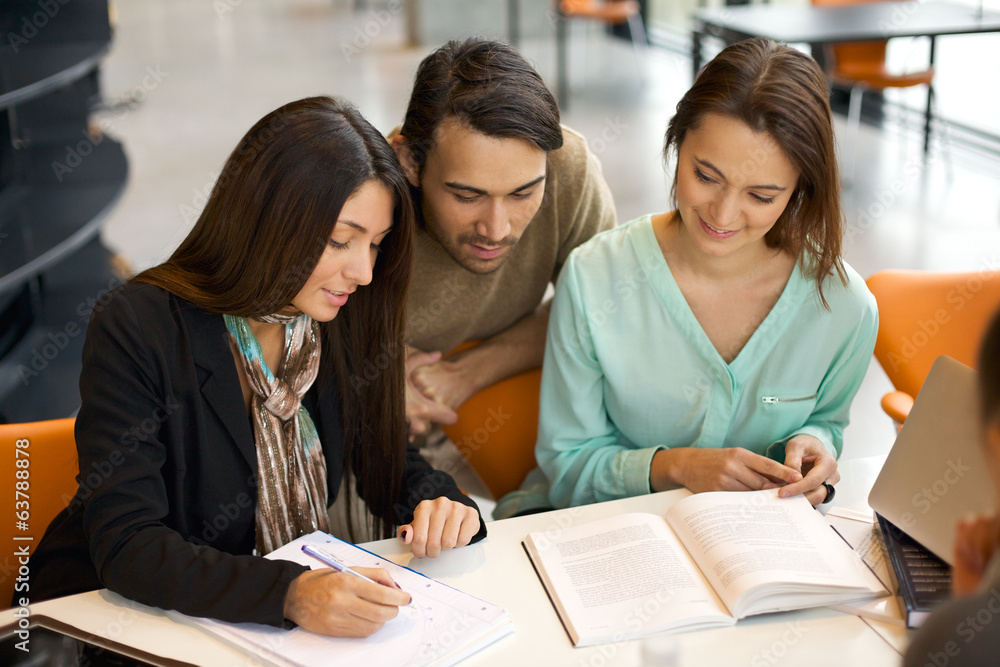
(753, 544)
(622, 577)
(442, 626)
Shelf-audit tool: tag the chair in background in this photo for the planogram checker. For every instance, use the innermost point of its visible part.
(608, 12)
(497, 428)
(861, 66)
(50, 472)
(923, 315)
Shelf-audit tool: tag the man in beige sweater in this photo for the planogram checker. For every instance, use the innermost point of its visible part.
(503, 194)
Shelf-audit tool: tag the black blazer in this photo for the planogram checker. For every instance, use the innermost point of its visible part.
(164, 512)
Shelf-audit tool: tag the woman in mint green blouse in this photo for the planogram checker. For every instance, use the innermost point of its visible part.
(717, 346)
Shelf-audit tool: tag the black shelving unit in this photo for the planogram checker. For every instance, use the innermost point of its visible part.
(59, 178)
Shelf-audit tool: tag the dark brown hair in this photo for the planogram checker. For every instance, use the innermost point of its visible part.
(486, 85)
(989, 374)
(776, 89)
(267, 221)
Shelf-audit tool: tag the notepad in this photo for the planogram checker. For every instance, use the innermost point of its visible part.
(442, 627)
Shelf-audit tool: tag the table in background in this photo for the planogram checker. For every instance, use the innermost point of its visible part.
(498, 570)
(819, 25)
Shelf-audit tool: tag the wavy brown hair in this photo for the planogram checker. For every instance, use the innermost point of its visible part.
(776, 89)
(267, 221)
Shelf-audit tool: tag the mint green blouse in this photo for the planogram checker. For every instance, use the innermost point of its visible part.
(628, 369)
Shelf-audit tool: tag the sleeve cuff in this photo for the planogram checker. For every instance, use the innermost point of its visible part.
(277, 602)
(634, 466)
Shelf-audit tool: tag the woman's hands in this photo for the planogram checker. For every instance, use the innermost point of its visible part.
(439, 525)
(340, 605)
(709, 469)
(808, 456)
(977, 541)
(807, 465)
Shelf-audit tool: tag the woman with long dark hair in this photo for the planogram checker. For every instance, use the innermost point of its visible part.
(228, 393)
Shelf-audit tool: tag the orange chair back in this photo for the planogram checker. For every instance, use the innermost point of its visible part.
(923, 315)
(497, 428)
(851, 56)
(609, 11)
(46, 481)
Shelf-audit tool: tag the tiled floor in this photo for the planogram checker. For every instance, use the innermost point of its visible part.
(192, 76)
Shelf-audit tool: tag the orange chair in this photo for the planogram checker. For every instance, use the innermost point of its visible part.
(861, 65)
(608, 12)
(497, 428)
(48, 483)
(923, 315)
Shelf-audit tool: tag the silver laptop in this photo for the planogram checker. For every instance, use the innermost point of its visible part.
(936, 472)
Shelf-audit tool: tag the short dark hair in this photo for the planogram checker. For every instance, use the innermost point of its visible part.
(779, 90)
(488, 86)
(989, 374)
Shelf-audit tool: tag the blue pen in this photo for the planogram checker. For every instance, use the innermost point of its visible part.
(324, 556)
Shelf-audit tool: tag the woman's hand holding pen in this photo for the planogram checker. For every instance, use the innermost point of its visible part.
(439, 525)
(337, 604)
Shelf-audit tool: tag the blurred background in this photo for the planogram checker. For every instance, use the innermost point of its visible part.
(176, 83)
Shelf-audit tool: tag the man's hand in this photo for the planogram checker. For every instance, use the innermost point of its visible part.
(445, 381)
(421, 409)
(435, 387)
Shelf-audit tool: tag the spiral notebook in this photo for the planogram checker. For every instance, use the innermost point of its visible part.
(441, 627)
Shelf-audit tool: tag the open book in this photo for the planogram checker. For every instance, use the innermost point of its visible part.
(715, 558)
(441, 627)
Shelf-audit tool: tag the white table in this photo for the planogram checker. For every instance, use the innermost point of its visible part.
(498, 570)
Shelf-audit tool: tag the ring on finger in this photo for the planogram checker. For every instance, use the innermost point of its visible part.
(830, 493)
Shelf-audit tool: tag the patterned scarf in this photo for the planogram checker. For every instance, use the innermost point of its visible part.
(290, 464)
